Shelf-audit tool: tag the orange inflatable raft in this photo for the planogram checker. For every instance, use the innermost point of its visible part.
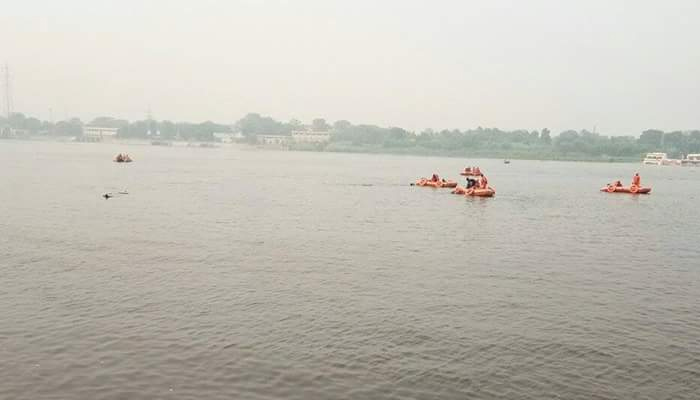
(436, 184)
(633, 189)
(476, 192)
(476, 171)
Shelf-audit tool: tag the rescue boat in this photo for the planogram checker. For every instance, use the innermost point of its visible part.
(436, 184)
(474, 192)
(459, 190)
(478, 192)
(120, 158)
(469, 171)
(632, 189)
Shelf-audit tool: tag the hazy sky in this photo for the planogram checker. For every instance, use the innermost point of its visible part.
(622, 66)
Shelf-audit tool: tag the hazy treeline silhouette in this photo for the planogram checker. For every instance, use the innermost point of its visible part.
(520, 143)
(135, 129)
(346, 136)
(569, 144)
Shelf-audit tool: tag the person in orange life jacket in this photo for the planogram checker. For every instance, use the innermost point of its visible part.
(637, 180)
(484, 182)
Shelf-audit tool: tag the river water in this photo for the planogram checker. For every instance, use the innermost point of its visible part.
(232, 273)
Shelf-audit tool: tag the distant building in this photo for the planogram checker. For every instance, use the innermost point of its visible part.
(7, 132)
(99, 133)
(228, 137)
(310, 136)
(278, 140)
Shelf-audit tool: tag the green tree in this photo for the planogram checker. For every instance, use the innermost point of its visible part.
(167, 129)
(254, 124)
(545, 136)
(17, 120)
(295, 124)
(108, 122)
(651, 138)
(675, 142)
(341, 125)
(33, 125)
(319, 124)
(693, 143)
(72, 127)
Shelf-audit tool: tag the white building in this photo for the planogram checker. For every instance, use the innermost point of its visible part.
(311, 136)
(7, 132)
(228, 137)
(98, 132)
(279, 140)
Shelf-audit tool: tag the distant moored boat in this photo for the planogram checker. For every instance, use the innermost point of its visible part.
(691, 160)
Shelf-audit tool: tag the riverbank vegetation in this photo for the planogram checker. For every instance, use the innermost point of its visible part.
(348, 137)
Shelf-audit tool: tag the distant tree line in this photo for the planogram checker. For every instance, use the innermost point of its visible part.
(519, 143)
(346, 136)
(166, 130)
(253, 124)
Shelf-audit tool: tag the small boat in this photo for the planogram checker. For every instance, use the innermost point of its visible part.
(474, 188)
(654, 159)
(660, 159)
(459, 190)
(691, 160)
(121, 158)
(487, 192)
(632, 189)
(436, 184)
(506, 161)
(474, 192)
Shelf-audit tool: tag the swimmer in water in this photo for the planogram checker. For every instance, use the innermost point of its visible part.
(106, 196)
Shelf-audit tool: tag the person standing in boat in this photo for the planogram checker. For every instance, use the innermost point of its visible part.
(483, 182)
(637, 180)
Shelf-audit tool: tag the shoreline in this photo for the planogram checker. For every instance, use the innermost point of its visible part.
(342, 148)
(485, 155)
